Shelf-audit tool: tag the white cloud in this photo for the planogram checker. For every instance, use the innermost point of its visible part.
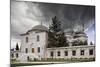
(14, 42)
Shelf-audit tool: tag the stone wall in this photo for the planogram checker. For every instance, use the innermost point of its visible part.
(70, 49)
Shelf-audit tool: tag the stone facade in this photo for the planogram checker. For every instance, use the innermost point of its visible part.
(67, 52)
(34, 46)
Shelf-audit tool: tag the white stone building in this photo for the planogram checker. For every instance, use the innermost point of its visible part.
(34, 46)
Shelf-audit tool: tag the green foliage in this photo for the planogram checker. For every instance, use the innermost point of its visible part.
(35, 59)
(79, 43)
(85, 42)
(17, 47)
(12, 60)
(75, 43)
(62, 40)
(55, 26)
(91, 43)
(56, 35)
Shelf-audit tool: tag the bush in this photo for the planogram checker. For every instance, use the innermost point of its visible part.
(12, 60)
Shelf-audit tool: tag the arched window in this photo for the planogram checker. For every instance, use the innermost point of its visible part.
(38, 49)
(32, 50)
(82, 52)
(74, 53)
(38, 38)
(26, 50)
(26, 39)
(91, 52)
(12, 55)
(51, 53)
(58, 53)
(66, 53)
(16, 55)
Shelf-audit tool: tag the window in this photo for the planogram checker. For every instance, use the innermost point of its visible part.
(38, 39)
(26, 50)
(16, 55)
(82, 52)
(38, 49)
(66, 53)
(12, 55)
(51, 53)
(73, 52)
(58, 53)
(91, 52)
(32, 50)
(26, 39)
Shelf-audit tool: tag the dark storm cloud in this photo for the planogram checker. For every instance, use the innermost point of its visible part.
(67, 14)
(25, 15)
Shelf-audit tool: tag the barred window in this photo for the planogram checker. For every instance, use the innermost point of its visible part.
(38, 38)
(38, 49)
(12, 55)
(51, 53)
(82, 52)
(26, 39)
(91, 52)
(32, 50)
(16, 55)
(26, 50)
(74, 53)
(66, 53)
(58, 53)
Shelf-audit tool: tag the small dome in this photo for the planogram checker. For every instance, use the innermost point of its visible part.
(40, 27)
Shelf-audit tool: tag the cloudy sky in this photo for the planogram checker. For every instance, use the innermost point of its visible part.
(25, 15)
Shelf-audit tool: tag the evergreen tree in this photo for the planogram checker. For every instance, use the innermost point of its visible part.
(75, 43)
(85, 42)
(91, 43)
(81, 43)
(55, 26)
(17, 47)
(62, 40)
(56, 35)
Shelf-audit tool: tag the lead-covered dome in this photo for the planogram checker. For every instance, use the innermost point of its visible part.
(40, 27)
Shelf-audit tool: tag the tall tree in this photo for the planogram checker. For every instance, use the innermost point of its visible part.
(62, 40)
(85, 42)
(55, 26)
(56, 35)
(91, 43)
(17, 47)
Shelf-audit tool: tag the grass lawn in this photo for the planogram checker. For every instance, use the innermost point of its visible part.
(51, 61)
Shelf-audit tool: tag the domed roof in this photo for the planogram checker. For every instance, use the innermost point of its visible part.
(40, 27)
